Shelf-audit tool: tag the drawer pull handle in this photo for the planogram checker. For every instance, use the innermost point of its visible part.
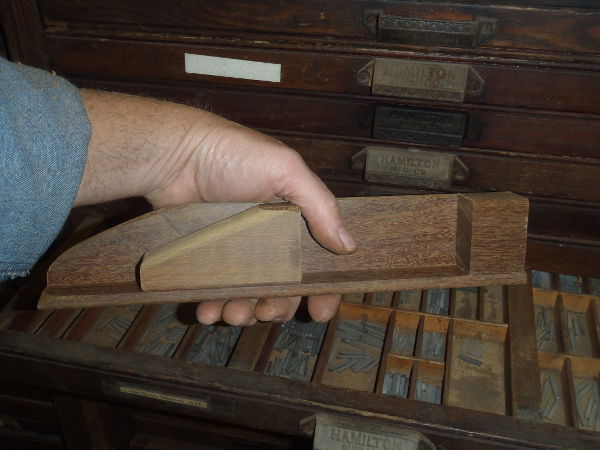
(420, 126)
(423, 80)
(334, 432)
(410, 167)
(429, 32)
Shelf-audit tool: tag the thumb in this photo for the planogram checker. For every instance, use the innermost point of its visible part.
(319, 207)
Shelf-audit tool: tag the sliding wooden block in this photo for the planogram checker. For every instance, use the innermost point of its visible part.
(258, 246)
(221, 251)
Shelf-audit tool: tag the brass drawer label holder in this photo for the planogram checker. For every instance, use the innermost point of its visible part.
(420, 79)
(410, 167)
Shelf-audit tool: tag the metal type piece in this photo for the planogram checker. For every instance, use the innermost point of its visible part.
(406, 297)
(571, 283)
(420, 126)
(299, 343)
(470, 360)
(429, 32)
(576, 327)
(410, 167)
(383, 298)
(428, 392)
(471, 352)
(545, 332)
(214, 345)
(433, 346)
(438, 301)
(396, 384)
(541, 280)
(586, 394)
(419, 79)
(164, 333)
(594, 286)
(403, 342)
(361, 335)
(550, 395)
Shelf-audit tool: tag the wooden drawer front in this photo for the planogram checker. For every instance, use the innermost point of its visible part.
(332, 158)
(28, 419)
(516, 28)
(489, 129)
(515, 86)
(148, 430)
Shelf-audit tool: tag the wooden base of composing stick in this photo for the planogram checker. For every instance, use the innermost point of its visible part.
(405, 242)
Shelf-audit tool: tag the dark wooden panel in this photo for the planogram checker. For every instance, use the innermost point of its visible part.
(525, 387)
(22, 28)
(514, 86)
(80, 369)
(509, 131)
(558, 257)
(520, 28)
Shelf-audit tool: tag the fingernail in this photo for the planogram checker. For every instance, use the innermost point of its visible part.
(347, 239)
(278, 320)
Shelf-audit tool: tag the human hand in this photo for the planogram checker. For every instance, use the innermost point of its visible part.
(176, 154)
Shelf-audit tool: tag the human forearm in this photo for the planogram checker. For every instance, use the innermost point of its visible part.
(137, 144)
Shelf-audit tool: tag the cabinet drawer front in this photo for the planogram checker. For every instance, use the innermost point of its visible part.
(531, 176)
(488, 129)
(504, 85)
(515, 28)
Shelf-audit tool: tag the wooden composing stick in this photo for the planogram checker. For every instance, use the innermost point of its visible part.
(209, 251)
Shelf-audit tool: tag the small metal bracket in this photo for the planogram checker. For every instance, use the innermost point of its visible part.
(370, 19)
(426, 80)
(410, 167)
(420, 125)
(364, 76)
(340, 433)
(475, 84)
(429, 32)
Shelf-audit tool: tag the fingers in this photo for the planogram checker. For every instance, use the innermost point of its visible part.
(302, 187)
(208, 313)
(247, 312)
(277, 309)
(323, 307)
(234, 312)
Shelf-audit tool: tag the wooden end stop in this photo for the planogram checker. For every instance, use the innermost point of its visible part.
(491, 232)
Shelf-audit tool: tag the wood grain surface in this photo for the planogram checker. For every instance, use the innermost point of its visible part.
(260, 245)
(495, 130)
(309, 69)
(405, 242)
(519, 29)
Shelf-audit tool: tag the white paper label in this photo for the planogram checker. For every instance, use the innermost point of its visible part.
(232, 68)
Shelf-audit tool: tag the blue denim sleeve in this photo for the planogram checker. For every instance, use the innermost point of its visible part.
(44, 134)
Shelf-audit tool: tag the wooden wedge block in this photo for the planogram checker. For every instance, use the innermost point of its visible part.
(205, 251)
(258, 246)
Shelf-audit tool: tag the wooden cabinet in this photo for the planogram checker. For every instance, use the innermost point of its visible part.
(510, 89)
(522, 78)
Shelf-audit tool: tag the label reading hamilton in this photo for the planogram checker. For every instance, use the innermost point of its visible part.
(334, 433)
(419, 126)
(416, 79)
(409, 167)
(415, 31)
